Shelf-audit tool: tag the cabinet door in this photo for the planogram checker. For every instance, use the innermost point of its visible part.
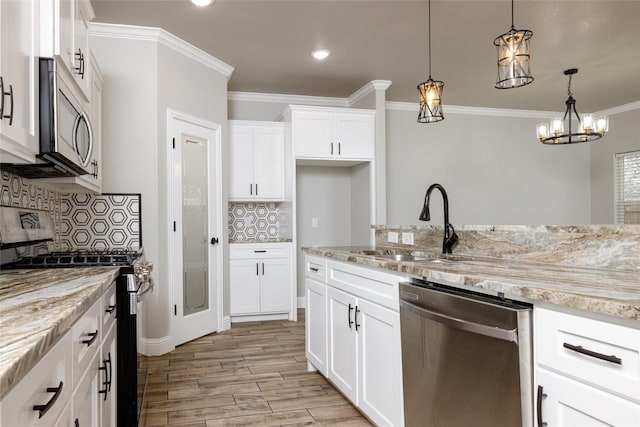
(64, 11)
(244, 286)
(81, 57)
(566, 402)
(19, 72)
(379, 364)
(107, 381)
(316, 324)
(313, 135)
(275, 285)
(85, 399)
(268, 163)
(343, 351)
(355, 136)
(241, 163)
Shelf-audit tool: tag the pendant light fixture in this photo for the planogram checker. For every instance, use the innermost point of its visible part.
(588, 128)
(513, 57)
(430, 92)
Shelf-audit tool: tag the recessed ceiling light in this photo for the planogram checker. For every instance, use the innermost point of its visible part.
(202, 3)
(321, 54)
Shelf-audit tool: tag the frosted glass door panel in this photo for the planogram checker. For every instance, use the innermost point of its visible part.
(195, 245)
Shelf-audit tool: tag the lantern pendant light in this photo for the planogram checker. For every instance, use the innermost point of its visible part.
(430, 92)
(513, 57)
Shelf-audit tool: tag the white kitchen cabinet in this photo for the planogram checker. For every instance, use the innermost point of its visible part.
(361, 334)
(86, 404)
(256, 161)
(48, 384)
(587, 370)
(332, 133)
(65, 35)
(260, 277)
(66, 382)
(107, 380)
(316, 319)
(19, 51)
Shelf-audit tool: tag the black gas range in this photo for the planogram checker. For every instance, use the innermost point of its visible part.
(81, 258)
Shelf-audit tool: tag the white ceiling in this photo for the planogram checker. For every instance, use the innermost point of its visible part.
(269, 42)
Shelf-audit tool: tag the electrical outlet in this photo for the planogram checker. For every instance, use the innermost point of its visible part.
(392, 237)
(407, 238)
(314, 222)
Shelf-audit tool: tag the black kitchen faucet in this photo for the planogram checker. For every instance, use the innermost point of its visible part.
(450, 237)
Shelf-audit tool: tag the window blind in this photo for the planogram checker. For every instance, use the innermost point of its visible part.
(627, 191)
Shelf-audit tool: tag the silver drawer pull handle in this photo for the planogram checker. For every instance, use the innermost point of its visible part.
(43, 409)
(590, 353)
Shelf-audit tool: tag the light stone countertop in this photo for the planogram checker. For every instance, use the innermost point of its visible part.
(609, 292)
(37, 307)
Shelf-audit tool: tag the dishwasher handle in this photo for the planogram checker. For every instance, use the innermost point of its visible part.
(453, 322)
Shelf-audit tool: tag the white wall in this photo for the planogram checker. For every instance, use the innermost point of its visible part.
(494, 170)
(623, 136)
(143, 79)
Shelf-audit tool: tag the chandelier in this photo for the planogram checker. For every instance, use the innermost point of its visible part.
(513, 57)
(588, 128)
(430, 93)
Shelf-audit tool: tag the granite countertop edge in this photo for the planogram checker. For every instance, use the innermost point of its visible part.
(575, 287)
(87, 286)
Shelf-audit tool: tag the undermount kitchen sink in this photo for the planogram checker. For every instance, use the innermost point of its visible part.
(406, 257)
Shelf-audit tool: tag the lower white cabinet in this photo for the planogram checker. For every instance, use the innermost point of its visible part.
(65, 388)
(587, 371)
(354, 341)
(260, 277)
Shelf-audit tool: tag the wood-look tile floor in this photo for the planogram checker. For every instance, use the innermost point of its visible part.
(251, 375)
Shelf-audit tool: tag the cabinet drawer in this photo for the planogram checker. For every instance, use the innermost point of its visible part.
(263, 250)
(109, 308)
(576, 346)
(316, 268)
(51, 371)
(376, 286)
(569, 403)
(85, 337)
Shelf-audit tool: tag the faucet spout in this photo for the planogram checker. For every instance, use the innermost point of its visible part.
(450, 237)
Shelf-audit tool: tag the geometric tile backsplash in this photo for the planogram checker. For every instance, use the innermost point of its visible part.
(107, 221)
(81, 220)
(253, 221)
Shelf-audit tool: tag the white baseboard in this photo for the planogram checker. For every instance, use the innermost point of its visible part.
(302, 302)
(155, 346)
(226, 323)
(259, 317)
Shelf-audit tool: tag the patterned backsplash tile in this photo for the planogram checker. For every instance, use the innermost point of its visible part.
(107, 221)
(253, 220)
(81, 220)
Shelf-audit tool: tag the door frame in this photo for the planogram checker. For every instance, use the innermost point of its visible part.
(218, 291)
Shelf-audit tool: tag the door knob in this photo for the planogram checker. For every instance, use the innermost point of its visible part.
(214, 241)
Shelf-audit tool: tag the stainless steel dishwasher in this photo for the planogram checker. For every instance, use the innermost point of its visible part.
(466, 358)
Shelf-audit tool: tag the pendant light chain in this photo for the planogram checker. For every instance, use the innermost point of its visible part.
(569, 87)
(429, 19)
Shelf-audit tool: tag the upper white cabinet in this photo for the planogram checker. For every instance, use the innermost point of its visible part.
(587, 371)
(256, 161)
(65, 35)
(19, 40)
(332, 133)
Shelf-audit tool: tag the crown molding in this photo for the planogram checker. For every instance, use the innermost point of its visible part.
(619, 109)
(287, 99)
(475, 111)
(367, 89)
(132, 32)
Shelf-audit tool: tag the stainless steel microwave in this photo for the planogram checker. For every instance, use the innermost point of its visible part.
(66, 137)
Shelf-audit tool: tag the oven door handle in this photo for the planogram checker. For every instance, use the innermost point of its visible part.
(453, 322)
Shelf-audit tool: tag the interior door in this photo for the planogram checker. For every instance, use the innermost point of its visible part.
(197, 228)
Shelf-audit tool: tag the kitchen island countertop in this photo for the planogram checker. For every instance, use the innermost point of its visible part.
(37, 307)
(614, 293)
